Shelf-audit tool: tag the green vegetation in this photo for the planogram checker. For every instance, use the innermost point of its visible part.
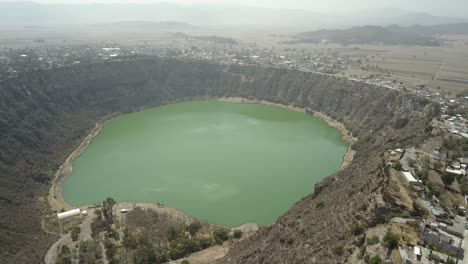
(422, 174)
(320, 204)
(397, 165)
(457, 147)
(448, 179)
(373, 240)
(357, 229)
(375, 260)
(237, 234)
(450, 261)
(104, 220)
(64, 257)
(41, 124)
(464, 189)
(193, 228)
(419, 210)
(391, 239)
(437, 165)
(221, 235)
(153, 237)
(338, 249)
(362, 251)
(75, 233)
(434, 189)
(89, 252)
(111, 251)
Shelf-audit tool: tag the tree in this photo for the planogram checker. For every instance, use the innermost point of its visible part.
(193, 227)
(64, 256)
(237, 234)
(357, 229)
(129, 241)
(145, 254)
(419, 210)
(172, 233)
(375, 260)
(111, 249)
(426, 161)
(437, 165)
(464, 189)
(75, 233)
(448, 179)
(107, 206)
(220, 235)
(422, 174)
(89, 252)
(391, 239)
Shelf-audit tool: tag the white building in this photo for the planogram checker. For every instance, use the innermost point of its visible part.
(69, 213)
(410, 178)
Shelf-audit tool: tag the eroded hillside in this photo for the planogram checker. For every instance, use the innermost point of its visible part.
(44, 115)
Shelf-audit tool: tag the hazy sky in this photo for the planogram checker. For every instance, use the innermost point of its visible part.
(436, 7)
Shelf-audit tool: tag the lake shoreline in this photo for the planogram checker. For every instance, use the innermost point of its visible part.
(58, 203)
(55, 198)
(345, 135)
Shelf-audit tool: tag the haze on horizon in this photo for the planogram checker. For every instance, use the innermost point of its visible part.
(295, 15)
(453, 8)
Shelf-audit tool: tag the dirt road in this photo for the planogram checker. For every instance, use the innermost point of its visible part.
(52, 252)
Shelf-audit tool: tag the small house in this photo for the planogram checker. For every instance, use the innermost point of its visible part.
(410, 178)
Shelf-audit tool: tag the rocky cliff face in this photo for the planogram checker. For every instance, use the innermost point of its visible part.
(44, 115)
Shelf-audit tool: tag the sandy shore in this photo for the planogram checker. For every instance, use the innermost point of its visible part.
(345, 135)
(56, 201)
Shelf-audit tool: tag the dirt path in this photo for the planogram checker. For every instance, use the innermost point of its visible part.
(85, 226)
(52, 252)
(207, 255)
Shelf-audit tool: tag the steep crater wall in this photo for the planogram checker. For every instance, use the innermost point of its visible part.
(44, 115)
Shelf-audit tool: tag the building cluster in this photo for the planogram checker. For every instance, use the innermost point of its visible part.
(440, 240)
(442, 231)
(456, 124)
(17, 61)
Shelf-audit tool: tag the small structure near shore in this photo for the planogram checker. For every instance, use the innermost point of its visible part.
(69, 213)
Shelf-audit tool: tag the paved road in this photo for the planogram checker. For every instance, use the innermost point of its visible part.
(51, 256)
(85, 226)
(465, 247)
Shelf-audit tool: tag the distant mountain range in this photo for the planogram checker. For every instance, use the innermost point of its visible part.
(389, 35)
(27, 14)
(148, 25)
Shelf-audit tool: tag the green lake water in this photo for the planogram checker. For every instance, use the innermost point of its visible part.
(226, 163)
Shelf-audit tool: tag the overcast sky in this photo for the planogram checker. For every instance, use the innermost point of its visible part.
(436, 7)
